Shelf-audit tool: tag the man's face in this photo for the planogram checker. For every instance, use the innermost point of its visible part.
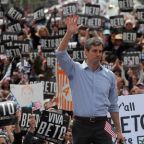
(94, 55)
(2, 141)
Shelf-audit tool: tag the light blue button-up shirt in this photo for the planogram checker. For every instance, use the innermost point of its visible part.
(94, 93)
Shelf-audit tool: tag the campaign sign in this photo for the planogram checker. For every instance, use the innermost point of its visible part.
(52, 126)
(24, 46)
(7, 43)
(13, 51)
(51, 42)
(78, 55)
(125, 5)
(95, 22)
(25, 117)
(140, 15)
(7, 113)
(69, 9)
(83, 20)
(129, 37)
(117, 21)
(15, 14)
(131, 59)
(9, 36)
(39, 14)
(92, 10)
(49, 87)
(14, 27)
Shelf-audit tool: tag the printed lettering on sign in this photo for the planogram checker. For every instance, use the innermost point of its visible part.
(125, 5)
(7, 113)
(9, 36)
(39, 14)
(15, 14)
(95, 22)
(140, 15)
(92, 10)
(52, 127)
(117, 21)
(15, 27)
(129, 37)
(69, 9)
(83, 19)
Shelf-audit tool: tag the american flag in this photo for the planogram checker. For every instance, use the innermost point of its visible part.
(108, 128)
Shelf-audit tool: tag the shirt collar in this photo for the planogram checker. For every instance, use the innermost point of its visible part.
(85, 66)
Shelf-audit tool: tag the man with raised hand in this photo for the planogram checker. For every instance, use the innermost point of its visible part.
(93, 88)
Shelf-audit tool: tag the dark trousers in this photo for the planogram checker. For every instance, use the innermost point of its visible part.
(84, 132)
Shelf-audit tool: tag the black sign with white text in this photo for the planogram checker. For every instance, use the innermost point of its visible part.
(131, 59)
(51, 42)
(95, 22)
(78, 55)
(24, 46)
(117, 21)
(14, 27)
(126, 5)
(70, 9)
(7, 113)
(15, 14)
(39, 14)
(83, 20)
(129, 37)
(92, 10)
(9, 36)
(140, 15)
(13, 51)
(52, 127)
(25, 117)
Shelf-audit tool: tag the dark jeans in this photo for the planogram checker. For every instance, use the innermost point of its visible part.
(90, 133)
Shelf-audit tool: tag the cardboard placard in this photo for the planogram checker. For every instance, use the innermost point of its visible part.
(92, 9)
(125, 5)
(131, 59)
(7, 113)
(117, 21)
(15, 14)
(129, 37)
(52, 126)
(70, 9)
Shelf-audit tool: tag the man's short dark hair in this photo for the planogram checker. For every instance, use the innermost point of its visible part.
(95, 41)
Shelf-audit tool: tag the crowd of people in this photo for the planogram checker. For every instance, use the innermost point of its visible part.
(34, 64)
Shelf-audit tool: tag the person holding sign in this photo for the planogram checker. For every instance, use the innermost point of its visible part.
(93, 88)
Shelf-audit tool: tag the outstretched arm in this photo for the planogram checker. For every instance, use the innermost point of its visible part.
(72, 28)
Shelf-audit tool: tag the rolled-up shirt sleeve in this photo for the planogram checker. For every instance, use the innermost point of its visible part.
(65, 61)
(113, 97)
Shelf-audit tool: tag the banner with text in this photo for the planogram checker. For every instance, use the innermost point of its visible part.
(132, 118)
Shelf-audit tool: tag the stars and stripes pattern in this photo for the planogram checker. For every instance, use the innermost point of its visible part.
(108, 129)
